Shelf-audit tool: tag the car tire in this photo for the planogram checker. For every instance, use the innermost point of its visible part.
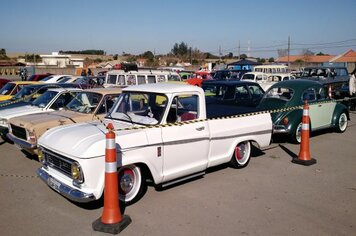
(341, 123)
(242, 155)
(131, 184)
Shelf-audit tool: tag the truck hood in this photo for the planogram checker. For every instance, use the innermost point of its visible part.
(39, 123)
(87, 140)
(19, 111)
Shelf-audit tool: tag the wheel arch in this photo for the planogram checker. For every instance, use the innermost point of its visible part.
(340, 108)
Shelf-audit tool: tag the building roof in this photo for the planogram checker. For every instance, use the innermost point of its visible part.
(305, 58)
(348, 56)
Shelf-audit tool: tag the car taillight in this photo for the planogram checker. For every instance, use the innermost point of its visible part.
(285, 121)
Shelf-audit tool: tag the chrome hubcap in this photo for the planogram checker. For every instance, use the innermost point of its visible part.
(127, 180)
(240, 151)
(343, 122)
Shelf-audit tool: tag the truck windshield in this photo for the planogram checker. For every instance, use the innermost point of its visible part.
(140, 108)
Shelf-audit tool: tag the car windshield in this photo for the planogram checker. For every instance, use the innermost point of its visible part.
(280, 93)
(81, 80)
(140, 108)
(27, 90)
(43, 100)
(174, 78)
(248, 77)
(64, 80)
(85, 102)
(7, 89)
(47, 78)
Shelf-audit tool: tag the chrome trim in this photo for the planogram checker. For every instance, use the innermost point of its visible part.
(65, 190)
(20, 142)
(280, 129)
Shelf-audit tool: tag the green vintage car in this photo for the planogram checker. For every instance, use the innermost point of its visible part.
(323, 111)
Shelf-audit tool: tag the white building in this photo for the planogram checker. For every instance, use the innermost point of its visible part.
(61, 61)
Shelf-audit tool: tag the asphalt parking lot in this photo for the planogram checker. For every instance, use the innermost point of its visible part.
(271, 196)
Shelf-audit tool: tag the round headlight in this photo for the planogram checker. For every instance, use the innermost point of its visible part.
(41, 157)
(76, 172)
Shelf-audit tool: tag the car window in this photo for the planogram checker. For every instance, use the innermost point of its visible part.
(107, 104)
(183, 108)
(309, 95)
(280, 93)
(255, 91)
(241, 92)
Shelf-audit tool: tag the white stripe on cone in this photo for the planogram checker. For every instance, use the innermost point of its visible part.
(110, 167)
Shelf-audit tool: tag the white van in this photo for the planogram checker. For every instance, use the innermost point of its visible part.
(120, 78)
(271, 69)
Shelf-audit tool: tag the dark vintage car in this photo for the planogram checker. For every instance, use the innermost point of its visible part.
(38, 77)
(323, 111)
(242, 95)
(326, 74)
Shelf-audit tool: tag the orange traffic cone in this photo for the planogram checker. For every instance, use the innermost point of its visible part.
(111, 220)
(304, 153)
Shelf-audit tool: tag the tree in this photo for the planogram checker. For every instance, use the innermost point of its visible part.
(243, 56)
(271, 59)
(307, 52)
(3, 54)
(115, 57)
(322, 54)
(282, 52)
(180, 50)
(148, 55)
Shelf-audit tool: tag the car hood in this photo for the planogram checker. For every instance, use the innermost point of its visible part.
(87, 140)
(5, 97)
(39, 123)
(19, 111)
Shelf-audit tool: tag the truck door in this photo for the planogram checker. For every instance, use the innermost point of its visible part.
(186, 147)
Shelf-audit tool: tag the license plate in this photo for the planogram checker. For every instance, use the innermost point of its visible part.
(54, 184)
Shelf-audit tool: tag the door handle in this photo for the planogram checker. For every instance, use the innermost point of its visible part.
(200, 128)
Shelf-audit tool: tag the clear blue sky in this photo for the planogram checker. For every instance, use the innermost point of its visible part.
(118, 26)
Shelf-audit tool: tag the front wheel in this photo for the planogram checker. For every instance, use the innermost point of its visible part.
(131, 184)
(297, 134)
(341, 124)
(242, 154)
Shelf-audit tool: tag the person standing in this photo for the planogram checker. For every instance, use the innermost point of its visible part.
(352, 90)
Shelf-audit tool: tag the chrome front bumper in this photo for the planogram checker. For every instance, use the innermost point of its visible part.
(20, 142)
(280, 129)
(65, 190)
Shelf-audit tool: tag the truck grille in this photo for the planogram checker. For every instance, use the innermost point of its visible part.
(19, 132)
(58, 162)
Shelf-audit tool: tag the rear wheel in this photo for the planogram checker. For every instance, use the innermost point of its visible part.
(242, 154)
(341, 124)
(131, 184)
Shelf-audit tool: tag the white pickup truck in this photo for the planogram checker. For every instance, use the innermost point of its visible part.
(178, 140)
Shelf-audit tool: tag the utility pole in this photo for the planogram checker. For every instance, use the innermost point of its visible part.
(239, 50)
(248, 48)
(190, 55)
(220, 52)
(288, 50)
